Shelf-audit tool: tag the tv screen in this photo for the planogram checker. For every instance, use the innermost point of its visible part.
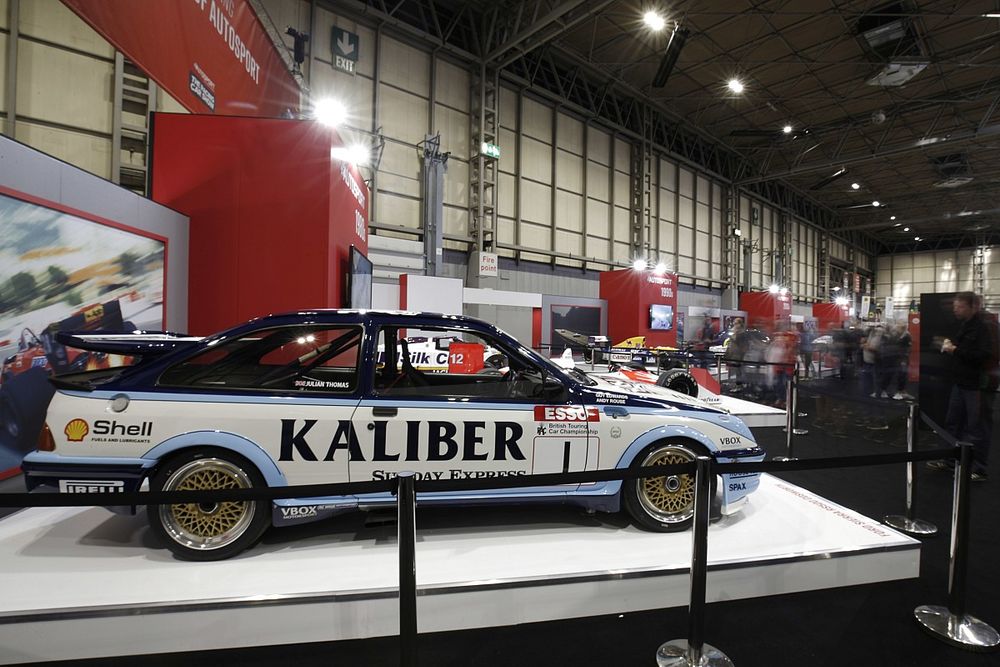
(359, 283)
(661, 317)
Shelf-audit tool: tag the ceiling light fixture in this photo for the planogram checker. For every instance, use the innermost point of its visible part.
(855, 186)
(640, 265)
(735, 85)
(906, 229)
(892, 217)
(654, 21)
(787, 129)
(670, 55)
(875, 203)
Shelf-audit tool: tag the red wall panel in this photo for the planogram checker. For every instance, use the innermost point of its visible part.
(629, 294)
(830, 316)
(270, 225)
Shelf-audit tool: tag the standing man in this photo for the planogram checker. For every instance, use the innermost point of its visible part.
(971, 351)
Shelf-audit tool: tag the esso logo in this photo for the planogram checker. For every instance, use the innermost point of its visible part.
(566, 413)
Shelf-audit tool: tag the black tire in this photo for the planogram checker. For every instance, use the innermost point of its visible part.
(678, 380)
(214, 532)
(664, 504)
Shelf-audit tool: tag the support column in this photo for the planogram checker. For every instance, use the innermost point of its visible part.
(483, 168)
(433, 169)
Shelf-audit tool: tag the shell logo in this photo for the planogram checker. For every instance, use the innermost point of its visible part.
(76, 430)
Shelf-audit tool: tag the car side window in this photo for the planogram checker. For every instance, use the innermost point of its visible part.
(305, 359)
(453, 363)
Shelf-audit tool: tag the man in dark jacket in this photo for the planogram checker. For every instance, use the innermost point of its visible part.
(971, 351)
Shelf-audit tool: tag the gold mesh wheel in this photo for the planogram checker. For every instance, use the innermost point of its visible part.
(670, 498)
(207, 526)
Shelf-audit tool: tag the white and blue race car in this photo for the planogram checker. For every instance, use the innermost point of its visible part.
(332, 396)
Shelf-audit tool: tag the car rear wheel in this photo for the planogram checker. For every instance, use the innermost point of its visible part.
(208, 531)
(666, 503)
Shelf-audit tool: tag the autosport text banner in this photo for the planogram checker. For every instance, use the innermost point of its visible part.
(212, 56)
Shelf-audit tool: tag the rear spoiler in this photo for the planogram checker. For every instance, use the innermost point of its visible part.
(138, 343)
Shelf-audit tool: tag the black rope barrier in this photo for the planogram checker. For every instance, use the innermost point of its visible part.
(423, 485)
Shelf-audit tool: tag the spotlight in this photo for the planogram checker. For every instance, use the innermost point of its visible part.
(842, 301)
(783, 291)
(654, 21)
(875, 203)
(892, 217)
(855, 186)
(787, 129)
(640, 265)
(330, 111)
(906, 229)
(773, 289)
(837, 288)
(735, 85)
(356, 154)
(916, 238)
(660, 269)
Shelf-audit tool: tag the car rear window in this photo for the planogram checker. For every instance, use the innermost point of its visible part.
(299, 359)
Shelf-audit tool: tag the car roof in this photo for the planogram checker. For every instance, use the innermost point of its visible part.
(345, 315)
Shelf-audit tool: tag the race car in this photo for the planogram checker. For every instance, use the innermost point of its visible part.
(332, 396)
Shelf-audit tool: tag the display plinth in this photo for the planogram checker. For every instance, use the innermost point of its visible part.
(81, 583)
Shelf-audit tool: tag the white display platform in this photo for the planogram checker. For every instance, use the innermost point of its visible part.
(80, 583)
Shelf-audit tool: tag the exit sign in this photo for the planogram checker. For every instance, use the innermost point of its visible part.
(490, 150)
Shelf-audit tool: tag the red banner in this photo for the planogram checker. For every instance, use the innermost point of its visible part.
(212, 56)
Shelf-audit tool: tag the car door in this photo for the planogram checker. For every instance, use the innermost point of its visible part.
(469, 421)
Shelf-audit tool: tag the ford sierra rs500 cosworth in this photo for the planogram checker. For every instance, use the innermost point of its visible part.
(332, 396)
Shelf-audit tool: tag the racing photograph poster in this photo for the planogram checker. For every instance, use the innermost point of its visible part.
(60, 271)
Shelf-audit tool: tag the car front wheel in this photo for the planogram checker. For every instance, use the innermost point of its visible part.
(208, 531)
(665, 503)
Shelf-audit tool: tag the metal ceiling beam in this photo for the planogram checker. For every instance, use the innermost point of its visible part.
(561, 27)
(956, 139)
(533, 28)
(358, 10)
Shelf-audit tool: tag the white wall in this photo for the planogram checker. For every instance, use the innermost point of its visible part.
(906, 276)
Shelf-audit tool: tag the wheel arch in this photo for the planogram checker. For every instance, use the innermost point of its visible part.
(672, 431)
(222, 440)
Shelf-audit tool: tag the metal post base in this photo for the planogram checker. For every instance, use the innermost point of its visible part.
(910, 526)
(675, 654)
(965, 631)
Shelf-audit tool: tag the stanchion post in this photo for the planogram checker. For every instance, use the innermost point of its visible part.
(909, 523)
(693, 651)
(795, 403)
(951, 624)
(718, 369)
(407, 535)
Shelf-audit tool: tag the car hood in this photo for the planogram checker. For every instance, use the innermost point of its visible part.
(617, 390)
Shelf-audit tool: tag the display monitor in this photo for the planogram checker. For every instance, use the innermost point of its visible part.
(359, 280)
(661, 317)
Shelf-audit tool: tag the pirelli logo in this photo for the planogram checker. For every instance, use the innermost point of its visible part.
(91, 486)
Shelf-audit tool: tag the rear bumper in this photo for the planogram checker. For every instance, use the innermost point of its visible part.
(49, 473)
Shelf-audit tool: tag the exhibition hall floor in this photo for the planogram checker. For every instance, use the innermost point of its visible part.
(862, 625)
(81, 582)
